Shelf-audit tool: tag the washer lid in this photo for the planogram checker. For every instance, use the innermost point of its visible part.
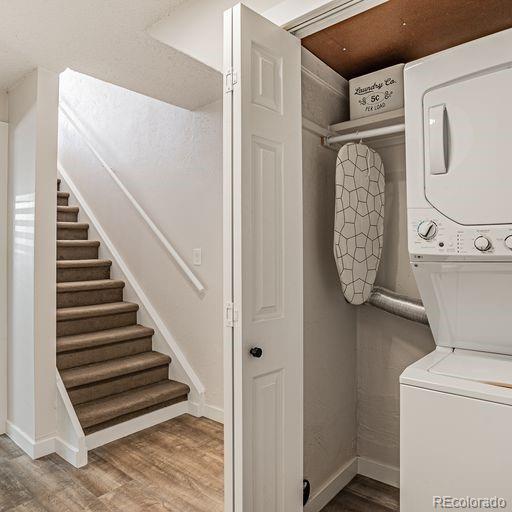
(494, 369)
(480, 375)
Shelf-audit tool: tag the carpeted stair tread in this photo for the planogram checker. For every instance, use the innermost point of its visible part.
(68, 209)
(95, 310)
(106, 409)
(99, 338)
(72, 225)
(63, 194)
(83, 263)
(95, 372)
(82, 286)
(78, 243)
(77, 249)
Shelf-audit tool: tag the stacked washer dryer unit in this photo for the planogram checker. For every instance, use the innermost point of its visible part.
(456, 403)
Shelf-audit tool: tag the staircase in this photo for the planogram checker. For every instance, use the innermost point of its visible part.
(104, 356)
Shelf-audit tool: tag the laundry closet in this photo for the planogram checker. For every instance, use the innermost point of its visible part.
(355, 353)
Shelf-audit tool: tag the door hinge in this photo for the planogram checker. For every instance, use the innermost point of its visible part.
(230, 80)
(230, 314)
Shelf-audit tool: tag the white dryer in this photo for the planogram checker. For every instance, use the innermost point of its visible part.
(456, 403)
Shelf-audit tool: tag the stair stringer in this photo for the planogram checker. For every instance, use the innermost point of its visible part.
(70, 440)
(163, 340)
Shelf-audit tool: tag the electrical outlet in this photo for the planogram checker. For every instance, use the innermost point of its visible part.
(197, 256)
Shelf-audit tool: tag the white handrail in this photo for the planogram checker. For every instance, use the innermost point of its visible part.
(177, 355)
(170, 249)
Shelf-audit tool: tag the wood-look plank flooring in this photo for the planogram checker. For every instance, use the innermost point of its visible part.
(176, 466)
(365, 495)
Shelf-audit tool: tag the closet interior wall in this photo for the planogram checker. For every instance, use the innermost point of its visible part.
(387, 344)
(330, 429)
(353, 356)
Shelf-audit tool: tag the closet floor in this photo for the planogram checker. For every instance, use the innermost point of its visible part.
(365, 495)
(176, 466)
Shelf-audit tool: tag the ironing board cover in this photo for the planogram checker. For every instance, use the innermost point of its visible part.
(359, 219)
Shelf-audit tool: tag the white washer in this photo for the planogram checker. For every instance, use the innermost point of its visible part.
(456, 403)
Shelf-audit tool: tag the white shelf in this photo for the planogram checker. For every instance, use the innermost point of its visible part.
(383, 120)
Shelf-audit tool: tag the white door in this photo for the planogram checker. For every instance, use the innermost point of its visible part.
(263, 195)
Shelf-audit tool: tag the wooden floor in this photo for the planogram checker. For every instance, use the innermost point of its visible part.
(365, 495)
(176, 466)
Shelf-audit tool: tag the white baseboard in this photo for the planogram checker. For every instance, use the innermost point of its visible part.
(332, 487)
(74, 456)
(358, 465)
(34, 449)
(207, 411)
(129, 427)
(383, 473)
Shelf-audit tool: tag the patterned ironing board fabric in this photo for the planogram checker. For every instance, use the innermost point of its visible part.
(359, 219)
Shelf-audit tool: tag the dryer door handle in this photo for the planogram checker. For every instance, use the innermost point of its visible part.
(437, 139)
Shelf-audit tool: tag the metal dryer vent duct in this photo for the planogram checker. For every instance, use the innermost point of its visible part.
(400, 305)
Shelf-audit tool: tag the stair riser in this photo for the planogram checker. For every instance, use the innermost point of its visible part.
(72, 234)
(103, 353)
(90, 297)
(90, 428)
(62, 201)
(77, 253)
(118, 385)
(100, 323)
(67, 216)
(68, 275)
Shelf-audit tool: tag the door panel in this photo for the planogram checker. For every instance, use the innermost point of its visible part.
(267, 265)
(467, 141)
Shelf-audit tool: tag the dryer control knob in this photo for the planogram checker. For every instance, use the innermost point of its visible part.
(508, 242)
(482, 243)
(427, 229)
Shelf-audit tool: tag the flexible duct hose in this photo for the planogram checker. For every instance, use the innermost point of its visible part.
(400, 305)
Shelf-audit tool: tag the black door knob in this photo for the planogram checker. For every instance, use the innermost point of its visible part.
(256, 352)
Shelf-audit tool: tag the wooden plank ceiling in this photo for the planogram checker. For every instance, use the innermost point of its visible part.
(405, 30)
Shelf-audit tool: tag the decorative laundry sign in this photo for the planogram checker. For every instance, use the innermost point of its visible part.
(377, 92)
(359, 220)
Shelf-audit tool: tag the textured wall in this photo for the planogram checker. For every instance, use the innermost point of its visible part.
(170, 160)
(329, 322)
(386, 344)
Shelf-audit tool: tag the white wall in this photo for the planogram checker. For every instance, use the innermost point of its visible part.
(387, 344)
(33, 104)
(196, 28)
(330, 429)
(170, 160)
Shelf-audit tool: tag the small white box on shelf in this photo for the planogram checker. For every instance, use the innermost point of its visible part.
(377, 92)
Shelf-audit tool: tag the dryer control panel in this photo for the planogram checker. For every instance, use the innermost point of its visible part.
(434, 236)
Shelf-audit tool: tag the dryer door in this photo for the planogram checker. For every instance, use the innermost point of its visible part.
(468, 148)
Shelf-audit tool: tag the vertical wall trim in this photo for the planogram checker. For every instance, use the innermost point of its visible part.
(4, 146)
